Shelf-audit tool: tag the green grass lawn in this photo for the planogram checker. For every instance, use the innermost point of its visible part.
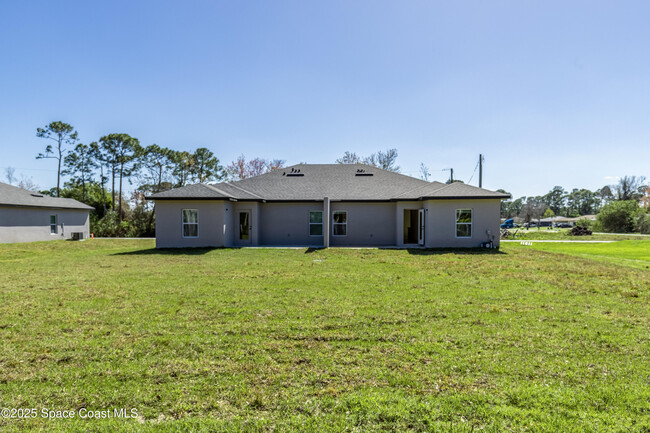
(627, 253)
(563, 234)
(334, 340)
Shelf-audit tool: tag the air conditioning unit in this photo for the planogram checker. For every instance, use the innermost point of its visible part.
(77, 236)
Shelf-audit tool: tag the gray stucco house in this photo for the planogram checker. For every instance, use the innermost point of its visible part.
(27, 216)
(323, 205)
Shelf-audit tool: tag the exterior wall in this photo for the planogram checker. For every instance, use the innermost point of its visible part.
(254, 208)
(399, 217)
(228, 224)
(440, 222)
(369, 224)
(29, 224)
(288, 224)
(169, 223)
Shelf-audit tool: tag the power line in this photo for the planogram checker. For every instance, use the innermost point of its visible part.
(472, 177)
(28, 169)
(451, 177)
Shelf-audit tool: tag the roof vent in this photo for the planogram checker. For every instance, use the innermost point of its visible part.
(36, 195)
(294, 172)
(362, 172)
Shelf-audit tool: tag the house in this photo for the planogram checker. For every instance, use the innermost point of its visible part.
(557, 220)
(323, 205)
(27, 216)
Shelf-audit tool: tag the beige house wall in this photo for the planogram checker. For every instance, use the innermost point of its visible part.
(287, 224)
(30, 224)
(440, 222)
(169, 228)
(254, 236)
(399, 216)
(369, 224)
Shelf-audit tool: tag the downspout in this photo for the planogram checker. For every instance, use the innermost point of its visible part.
(326, 222)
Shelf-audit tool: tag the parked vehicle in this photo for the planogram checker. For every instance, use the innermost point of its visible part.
(508, 224)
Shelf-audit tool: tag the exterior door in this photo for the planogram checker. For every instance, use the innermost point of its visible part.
(421, 226)
(244, 220)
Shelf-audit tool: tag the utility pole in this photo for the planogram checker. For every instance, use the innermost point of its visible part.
(480, 171)
(451, 180)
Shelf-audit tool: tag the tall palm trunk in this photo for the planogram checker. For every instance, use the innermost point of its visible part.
(113, 187)
(101, 174)
(58, 172)
(120, 196)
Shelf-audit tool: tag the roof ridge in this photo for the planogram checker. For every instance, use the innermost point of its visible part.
(243, 189)
(22, 190)
(11, 195)
(421, 187)
(337, 181)
(472, 186)
(447, 185)
(212, 187)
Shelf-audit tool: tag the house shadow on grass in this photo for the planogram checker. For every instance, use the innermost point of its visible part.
(204, 250)
(168, 252)
(455, 251)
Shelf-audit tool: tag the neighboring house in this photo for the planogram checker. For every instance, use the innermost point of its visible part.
(27, 216)
(328, 205)
(552, 221)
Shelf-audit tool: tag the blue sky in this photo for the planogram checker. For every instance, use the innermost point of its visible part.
(551, 92)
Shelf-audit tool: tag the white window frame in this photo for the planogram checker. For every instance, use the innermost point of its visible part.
(183, 223)
(470, 223)
(54, 226)
(340, 224)
(322, 227)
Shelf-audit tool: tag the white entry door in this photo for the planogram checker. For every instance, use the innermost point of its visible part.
(421, 227)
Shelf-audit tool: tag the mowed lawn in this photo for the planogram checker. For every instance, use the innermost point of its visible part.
(563, 234)
(335, 340)
(625, 253)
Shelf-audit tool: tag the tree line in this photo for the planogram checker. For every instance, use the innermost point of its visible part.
(575, 203)
(622, 207)
(97, 174)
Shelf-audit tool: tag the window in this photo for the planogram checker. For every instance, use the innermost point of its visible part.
(463, 223)
(190, 223)
(315, 223)
(52, 224)
(340, 223)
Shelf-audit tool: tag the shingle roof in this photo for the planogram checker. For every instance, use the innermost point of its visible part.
(14, 196)
(307, 182)
(437, 190)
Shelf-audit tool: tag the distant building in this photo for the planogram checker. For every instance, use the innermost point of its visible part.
(549, 222)
(27, 216)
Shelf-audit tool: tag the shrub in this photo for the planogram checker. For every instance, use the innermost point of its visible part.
(619, 216)
(584, 223)
(580, 231)
(596, 226)
(110, 226)
(643, 223)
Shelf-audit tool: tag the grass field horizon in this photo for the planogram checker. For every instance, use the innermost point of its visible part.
(564, 234)
(520, 339)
